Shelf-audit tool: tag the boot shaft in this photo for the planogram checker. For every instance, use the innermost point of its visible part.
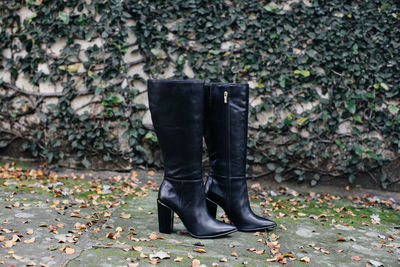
(226, 126)
(177, 112)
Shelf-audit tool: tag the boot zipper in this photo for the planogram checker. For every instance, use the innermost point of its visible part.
(228, 156)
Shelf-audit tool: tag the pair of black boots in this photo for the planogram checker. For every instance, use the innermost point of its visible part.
(182, 112)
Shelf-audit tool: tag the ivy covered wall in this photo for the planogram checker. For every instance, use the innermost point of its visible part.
(324, 78)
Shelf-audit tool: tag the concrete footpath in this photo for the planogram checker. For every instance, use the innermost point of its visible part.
(84, 218)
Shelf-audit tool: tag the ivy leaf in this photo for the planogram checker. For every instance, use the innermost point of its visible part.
(384, 86)
(271, 166)
(393, 109)
(351, 106)
(74, 67)
(304, 73)
(357, 118)
(352, 178)
(86, 163)
(270, 8)
(278, 178)
(3, 144)
(180, 60)
(213, 52)
(157, 52)
(358, 150)
(372, 155)
(63, 17)
(355, 49)
(301, 121)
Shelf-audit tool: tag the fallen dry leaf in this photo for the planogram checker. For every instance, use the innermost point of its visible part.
(340, 239)
(17, 257)
(178, 259)
(234, 254)
(153, 236)
(110, 235)
(29, 241)
(153, 261)
(69, 250)
(138, 249)
(195, 262)
(200, 250)
(125, 215)
(305, 259)
(223, 260)
(355, 258)
(8, 244)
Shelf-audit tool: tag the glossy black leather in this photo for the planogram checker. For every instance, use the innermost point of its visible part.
(177, 111)
(226, 137)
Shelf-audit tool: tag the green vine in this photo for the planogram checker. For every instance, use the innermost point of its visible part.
(324, 76)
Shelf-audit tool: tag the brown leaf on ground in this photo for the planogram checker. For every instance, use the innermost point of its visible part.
(195, 262)
(138, 249)
(153, 236)
(17, 257)
(355, 258)
(8, 244)
(153, 261)
(29, 241)
(305, 259)
(200, 250)
(178, 259)
(125, 215)
(69, 250)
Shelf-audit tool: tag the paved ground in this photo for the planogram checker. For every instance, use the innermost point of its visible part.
(72, 218)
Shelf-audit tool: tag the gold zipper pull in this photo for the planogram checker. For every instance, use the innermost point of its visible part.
(226, 97)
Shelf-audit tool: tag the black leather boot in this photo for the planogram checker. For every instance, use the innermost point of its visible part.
(226, 138)
(177, 111)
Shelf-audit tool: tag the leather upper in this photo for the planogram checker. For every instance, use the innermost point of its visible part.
(215, 127)
(226, 137)
(177, 111)
(177, 108)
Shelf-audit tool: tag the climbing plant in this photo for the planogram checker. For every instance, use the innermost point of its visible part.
(324, 77)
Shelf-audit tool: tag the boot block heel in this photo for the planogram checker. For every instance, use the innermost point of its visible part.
(212, 207)
(165, 218)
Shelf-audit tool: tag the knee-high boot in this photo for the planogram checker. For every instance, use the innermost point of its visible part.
(226, 138)
(177, 111)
